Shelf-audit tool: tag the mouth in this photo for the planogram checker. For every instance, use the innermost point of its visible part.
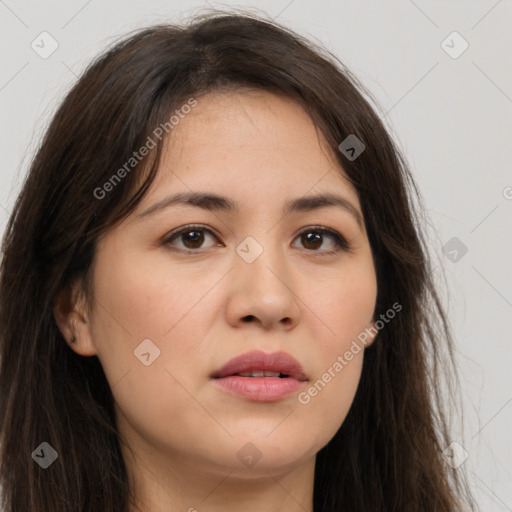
(261, 377)
(258, 364)
(261, 373)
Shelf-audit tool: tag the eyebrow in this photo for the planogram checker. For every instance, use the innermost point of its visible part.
(214, 202)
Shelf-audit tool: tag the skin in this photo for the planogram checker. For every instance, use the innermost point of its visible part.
(260, 150)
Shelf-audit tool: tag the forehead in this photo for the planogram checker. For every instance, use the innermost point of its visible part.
(251, 118)
(252, 136)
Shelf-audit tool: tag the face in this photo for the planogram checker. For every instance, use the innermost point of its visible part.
(174, 303)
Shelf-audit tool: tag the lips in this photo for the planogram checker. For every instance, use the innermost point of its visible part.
(258, 364)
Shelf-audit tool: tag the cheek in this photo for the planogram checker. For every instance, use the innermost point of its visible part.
(345, 306)
(327, 400)
(147, 297)
(134, 304)
(137, 302)
(331, 392)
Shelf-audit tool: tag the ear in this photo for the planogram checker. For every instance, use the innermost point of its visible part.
(72, 317)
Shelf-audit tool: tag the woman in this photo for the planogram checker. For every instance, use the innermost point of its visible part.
(291, 362)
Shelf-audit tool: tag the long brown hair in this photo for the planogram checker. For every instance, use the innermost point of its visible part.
(387, 454)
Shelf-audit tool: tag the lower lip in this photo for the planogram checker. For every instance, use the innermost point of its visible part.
(259, 389)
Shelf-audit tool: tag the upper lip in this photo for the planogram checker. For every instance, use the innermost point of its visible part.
(259, 361)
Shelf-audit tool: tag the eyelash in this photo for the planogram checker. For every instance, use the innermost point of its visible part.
(341, 243)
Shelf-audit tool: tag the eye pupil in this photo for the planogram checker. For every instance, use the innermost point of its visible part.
(312, 238)
(197, 240)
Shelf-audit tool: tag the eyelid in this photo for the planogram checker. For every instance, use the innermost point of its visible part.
(341, 242)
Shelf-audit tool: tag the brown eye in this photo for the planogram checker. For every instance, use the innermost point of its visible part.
(313, 238)
(195, 238)
(191, 237)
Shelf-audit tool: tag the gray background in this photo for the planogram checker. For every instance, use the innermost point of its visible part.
(450, 116)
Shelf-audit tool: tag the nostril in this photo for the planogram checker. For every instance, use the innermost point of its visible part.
(249, 318)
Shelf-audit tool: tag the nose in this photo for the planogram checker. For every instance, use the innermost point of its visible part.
(262, 292)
